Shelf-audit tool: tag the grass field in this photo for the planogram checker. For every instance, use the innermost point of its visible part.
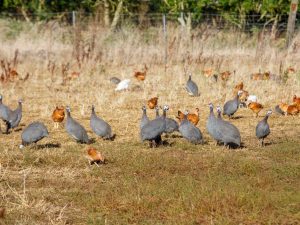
(180, 183)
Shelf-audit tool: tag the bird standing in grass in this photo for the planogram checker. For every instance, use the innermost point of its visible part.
(153, 130)
(189, 131)
(15, 117)
(33, 133)
(58, 115)
(192, 117)
(255, 107)
(94, 156)
(100, 127)
(152, 103)
(74, 129)
(5, 111)
(232, 106)
(191, 87)
(263, 128)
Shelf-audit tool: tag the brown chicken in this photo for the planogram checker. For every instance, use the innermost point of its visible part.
(290, 70)
(261, 76)
(208, 72)
(152, 103)
(292, 110)
(283, 107)
(225, 75)
(58, 115)
(296, 99)
(237, 88)
(192, 117)
(94, 156)
(141, 76)
(255, 107)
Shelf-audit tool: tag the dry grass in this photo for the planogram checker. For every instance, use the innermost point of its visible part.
(178, 184)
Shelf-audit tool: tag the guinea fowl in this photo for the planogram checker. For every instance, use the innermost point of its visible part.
(191, 87)
(15, 117)
(153, 129)
(211, 124)
(263, 128)
(74, 129)
(279, 110)
(144, 119)
(171, 124)
(33, 133)
(4, 112)
(115, 80)
(189, 131)
(100, 127)
(232, 106)
(228, 133)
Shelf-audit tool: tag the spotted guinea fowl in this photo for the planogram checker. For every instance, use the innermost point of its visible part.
(144, 119)
(33, 133)
(232, 106)
(5, 111)
(227, 132)
(154, 128)
(114, 80)
(100, 127)
(263, 128)
(171, 124)
(189, 131)
(279, 110)
(15, 117)
(211, 124)
(74, 129)
(191, 87)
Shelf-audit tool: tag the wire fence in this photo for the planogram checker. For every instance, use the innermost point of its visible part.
(247, 23)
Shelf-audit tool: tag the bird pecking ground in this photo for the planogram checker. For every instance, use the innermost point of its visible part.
(180, 183)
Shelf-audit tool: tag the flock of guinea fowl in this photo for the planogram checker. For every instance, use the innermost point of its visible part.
(222, 131)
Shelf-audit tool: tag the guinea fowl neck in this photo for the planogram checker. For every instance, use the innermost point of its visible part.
(211, 113)
(157, 113)
(165, 114)
(68, 113)
(266, 118)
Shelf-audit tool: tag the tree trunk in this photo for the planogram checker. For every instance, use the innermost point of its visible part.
(106, 13)
(274, 28)
(117, 16)
(291, 22)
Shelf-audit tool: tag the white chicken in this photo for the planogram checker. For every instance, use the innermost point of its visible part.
(123, 85)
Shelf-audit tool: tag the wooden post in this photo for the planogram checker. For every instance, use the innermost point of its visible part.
(291, 22)
(166, 38)
(73, 18)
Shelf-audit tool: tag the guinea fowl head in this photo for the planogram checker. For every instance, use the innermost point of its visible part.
(68, 109)
(211, 106)
(20, 101)
(269, 112)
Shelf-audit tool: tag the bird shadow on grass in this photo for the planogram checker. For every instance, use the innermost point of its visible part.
(48, 145)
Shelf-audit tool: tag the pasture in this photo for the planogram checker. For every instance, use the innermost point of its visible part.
(179, 183)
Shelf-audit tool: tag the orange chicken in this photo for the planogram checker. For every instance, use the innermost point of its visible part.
(192, 117)
(225, 75)
(255, 107)
(208, 72)
(283, 107)
(58, 115)
(141, 76)
(244, 96)
(152, 103)
(292, 110)
(296, 99)
(94, 156)
(237, 88)
(261, 76)
(290, 70)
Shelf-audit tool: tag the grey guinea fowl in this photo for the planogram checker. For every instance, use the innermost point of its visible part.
(4, 110)
(15, 117)
(153, 129)
(278, 110)
(74, 129)
(144, 119)
(33, 133)
(211, 124)
(228, 133)
(100, 127)
(263, 128)
(191, 87)
(115, 80)
(189, 131)
(171, 124)
(232, 106)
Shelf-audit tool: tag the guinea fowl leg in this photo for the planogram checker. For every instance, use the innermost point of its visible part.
(262, 142)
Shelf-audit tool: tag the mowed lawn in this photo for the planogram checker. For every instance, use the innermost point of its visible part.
(180, 184)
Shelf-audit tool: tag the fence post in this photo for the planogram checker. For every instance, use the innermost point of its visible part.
(291, 22)
(166, 38)
(73, 18)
